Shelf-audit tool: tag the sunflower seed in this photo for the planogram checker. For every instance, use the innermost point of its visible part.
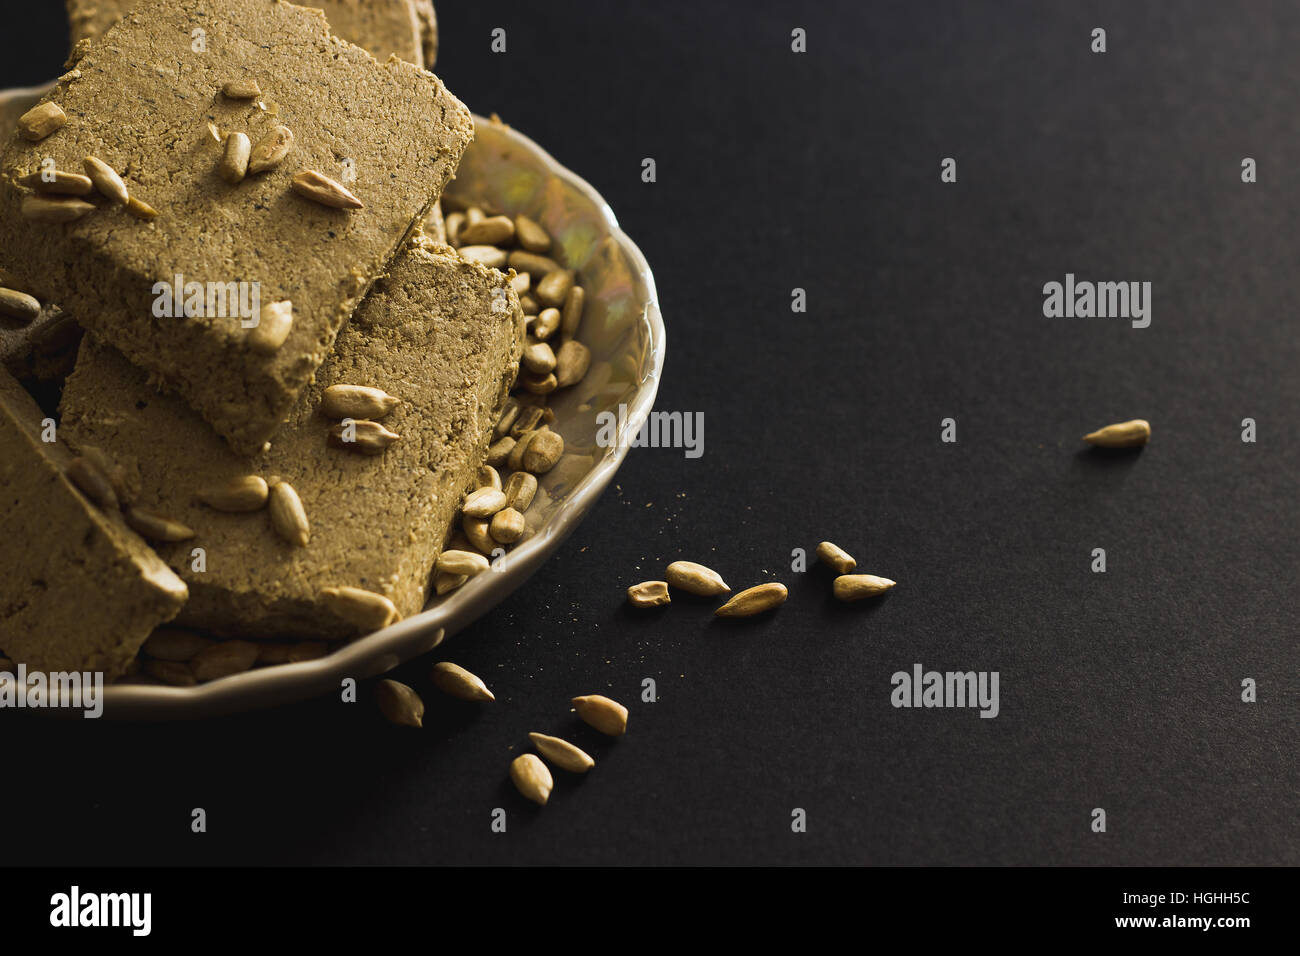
(443, 583)
(234, 160)
(307, 651)
(499, 451)
(539, 384)
(1130, 434)
(571, 313)
(270, 150)
(175, 673)
(535, 265)
(542, 453)
(529, 419)
(59, 183)
(247, 493)
(483, 503)
(172, 644)
(571, 363)
(488, 231)
(476, 532)
(106, 180)
(516, 459)
(474, 214)
(19, 305)
(531, 236)
(365, 438)
(140, 209)
(365, 609)
(93, 484)
(223, 659)
(399, 703)
(489, 256)
(41, 120)
(509, 412)
(214, 133)
(462, 562)
(357, 401)
(529, 306)
(453, 224)
(695, 579)
(520, 489)
(320, 188)
(835, 558)
(455, 680)
(562, 753)
(243, 89)
(855, 587)
(607, 716)
(507, 526)
(520, 282)
(273, 327)
(489, 477)
(554, 288)
(157, 528)
(754, 600)
(51, 209)
(531, 778)
(548, 320)
(649, 594)
(538, 358)
(288, 517)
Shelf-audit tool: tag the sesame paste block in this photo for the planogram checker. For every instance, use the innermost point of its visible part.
(79, 590)
(441, 335)
(178, 294)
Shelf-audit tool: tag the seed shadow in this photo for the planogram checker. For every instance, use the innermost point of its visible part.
(866, 607)
(630, 612)
(1094, 459)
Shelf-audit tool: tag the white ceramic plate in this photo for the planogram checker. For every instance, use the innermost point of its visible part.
(507, 172)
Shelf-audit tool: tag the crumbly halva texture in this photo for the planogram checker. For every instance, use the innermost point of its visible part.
(79, 591)
(380, 26)
(441, 335)
(141, 100)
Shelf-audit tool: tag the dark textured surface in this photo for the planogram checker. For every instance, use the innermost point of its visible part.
(820, 171)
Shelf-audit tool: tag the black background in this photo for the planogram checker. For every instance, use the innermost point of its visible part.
(820, 170)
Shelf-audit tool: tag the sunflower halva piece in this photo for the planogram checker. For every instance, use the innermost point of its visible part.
(79, 590)
(406, 28)
(441, 335)
(140, 100)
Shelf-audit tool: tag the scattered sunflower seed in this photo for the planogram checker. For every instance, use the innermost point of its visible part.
(234, 160)
(530, 235)
(529, 419)
(554, 288)
(607, 716)
(453, 224)
(855, 587)
(509, 413)
(357, 401)
(455, 680)
(41, 120)
(548, 321)
(93, 484)
(695, 579)
(542, 453)
(399, 703)
(1130, 434)
(489, 477)
(462, 562)
(288, 517)
(835, 558)
(488, 231)
(538, 358)
(54, 209)
(755, 600)
(223, 659)
(489, 256)
(531, 778)
(368, 438)
(140, 209)
(270, 150)
(155, 527)
(59, 183)
(571, 363)
(365, 609)
(649, 594)
(515, 461)
(273, 327)
(539, 384)
(536, 266)
(483, 503)
(477, 533)
(106, 180)
(571, 313)
(443, 583)
(499, 451)
(507, 525)
(520, 489)
(247, 493)
(19, 305)
(320, 188)
(562, 753)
